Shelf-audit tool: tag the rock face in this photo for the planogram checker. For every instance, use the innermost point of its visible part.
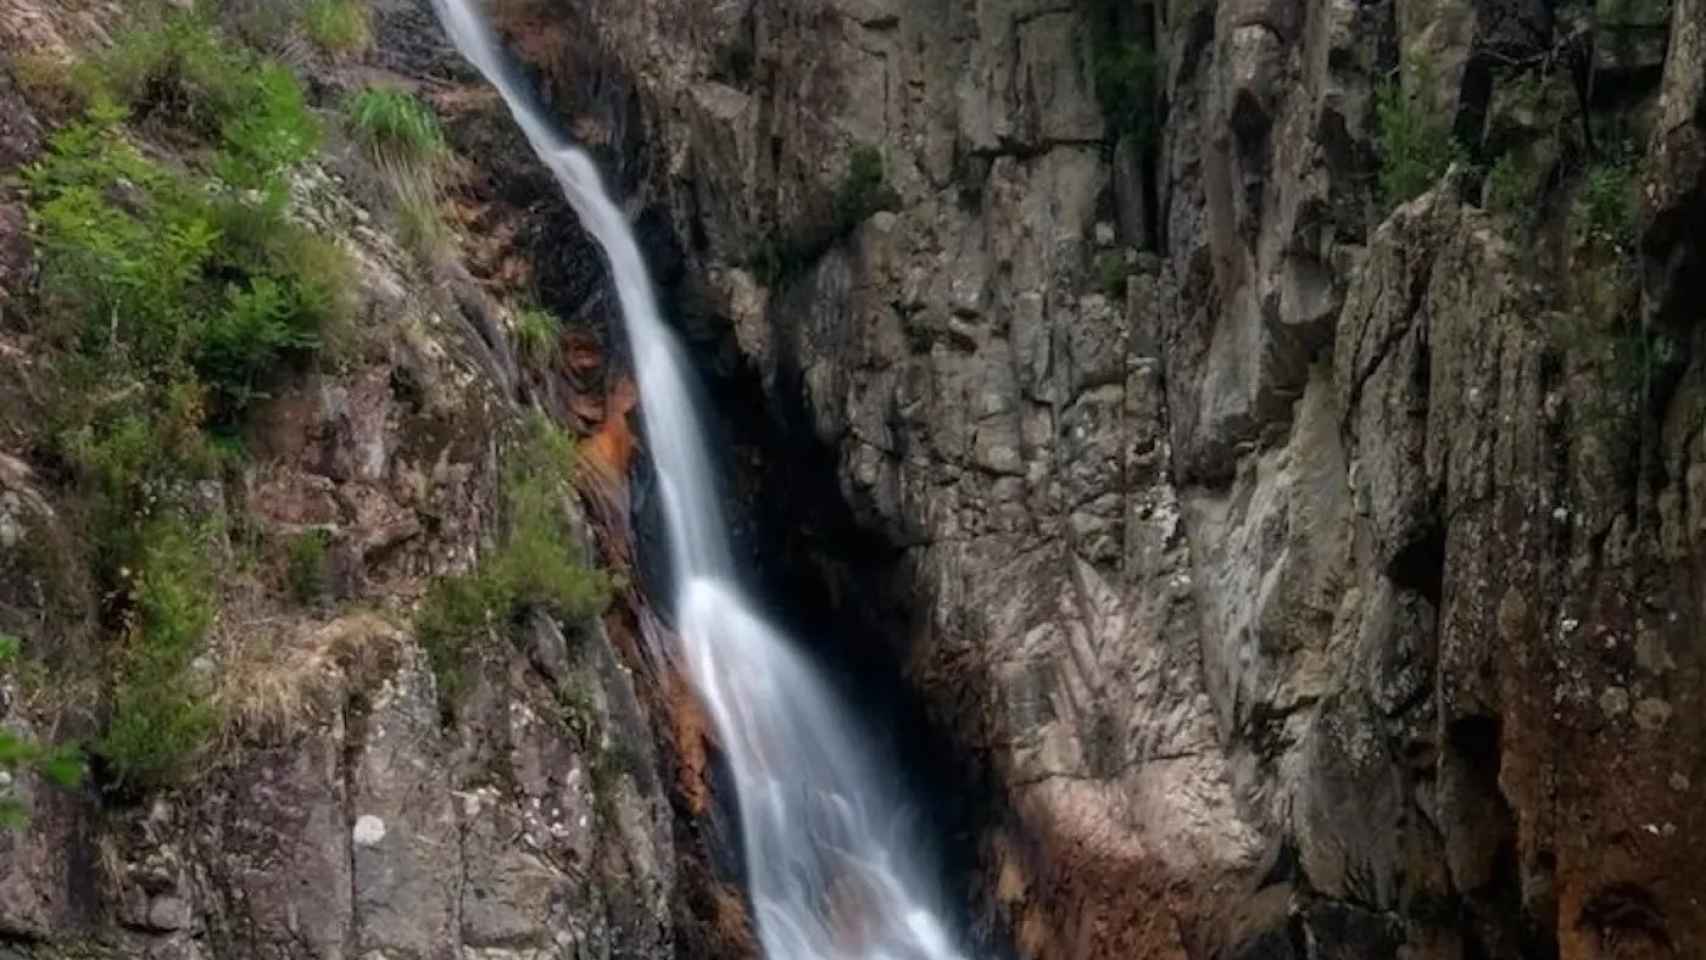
(1319, 589)
(339, 815)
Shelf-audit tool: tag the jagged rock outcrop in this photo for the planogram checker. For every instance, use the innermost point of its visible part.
(1328, 594)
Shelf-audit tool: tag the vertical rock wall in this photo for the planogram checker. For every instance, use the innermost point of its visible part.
(1318, 591)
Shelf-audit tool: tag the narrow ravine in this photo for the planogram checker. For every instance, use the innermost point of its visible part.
(831, 869)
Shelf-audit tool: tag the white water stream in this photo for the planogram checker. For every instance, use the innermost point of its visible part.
(830, 871)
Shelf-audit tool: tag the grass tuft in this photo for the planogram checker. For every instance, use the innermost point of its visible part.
(341, 28)
(396, 127)
(536, 332)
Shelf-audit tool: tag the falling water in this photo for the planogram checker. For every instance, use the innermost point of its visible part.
(832, 875)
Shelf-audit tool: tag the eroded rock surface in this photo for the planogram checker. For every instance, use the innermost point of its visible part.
(1319, 590)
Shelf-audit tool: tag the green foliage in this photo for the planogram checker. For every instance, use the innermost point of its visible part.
(133, 461)
(420, 224)
(61, 765)
(402, 136)
(1415, 146)
(1609, 203)
(308, 567)
(1126, 77)
(1510, 186)
(272, 130)
(1126, 74)
(536, 332)
(184, 75)
(174, 298)
(538, 564)
(179, 70)
(339, 27)
(395, 126)
(863, 192)
(161, 720)
(148, 272)
(1112, 273)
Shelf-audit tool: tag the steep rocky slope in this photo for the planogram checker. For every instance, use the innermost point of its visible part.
(1326, 587)
(333, 812)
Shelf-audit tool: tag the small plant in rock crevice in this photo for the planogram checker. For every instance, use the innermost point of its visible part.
(1610, 206)
(537, 565)
(61, 765)
(861, 193)
(341, 28)
(537, 331)
(308, 565)
(1415, 146)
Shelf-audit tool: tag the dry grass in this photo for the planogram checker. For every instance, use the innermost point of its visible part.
(420, 220)
(287, 673)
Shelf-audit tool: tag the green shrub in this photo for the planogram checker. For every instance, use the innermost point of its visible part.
(1609, 201)
(396, 127)
(60, 765)
(1510, 187)
(184, 74)
(272, 130)
(149, 272)
(1126, 76)
(132, 462)
(863, 192)
(1112, 273)
(179, 70)
(339, 27)
(308, 566)
(536, 332)
(538, 564)
(1415, 147)
(161, 718)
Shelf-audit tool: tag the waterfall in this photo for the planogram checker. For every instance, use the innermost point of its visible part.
(831, 872)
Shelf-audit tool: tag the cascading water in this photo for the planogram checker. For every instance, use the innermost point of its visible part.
(831, 873)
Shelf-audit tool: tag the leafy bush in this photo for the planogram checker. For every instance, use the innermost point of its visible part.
(538, 565)
(272, 131)
(60, 765)
(1609, 201)
(339, 27)
(537, 331)
(184, 75)
(161, 719)
(132, 462)
(1510, 186)
(863, 192)
(1112, 272)
(1415, 148)
(151, 273)
(308, 568)
(1126, 76)
(395, 126)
